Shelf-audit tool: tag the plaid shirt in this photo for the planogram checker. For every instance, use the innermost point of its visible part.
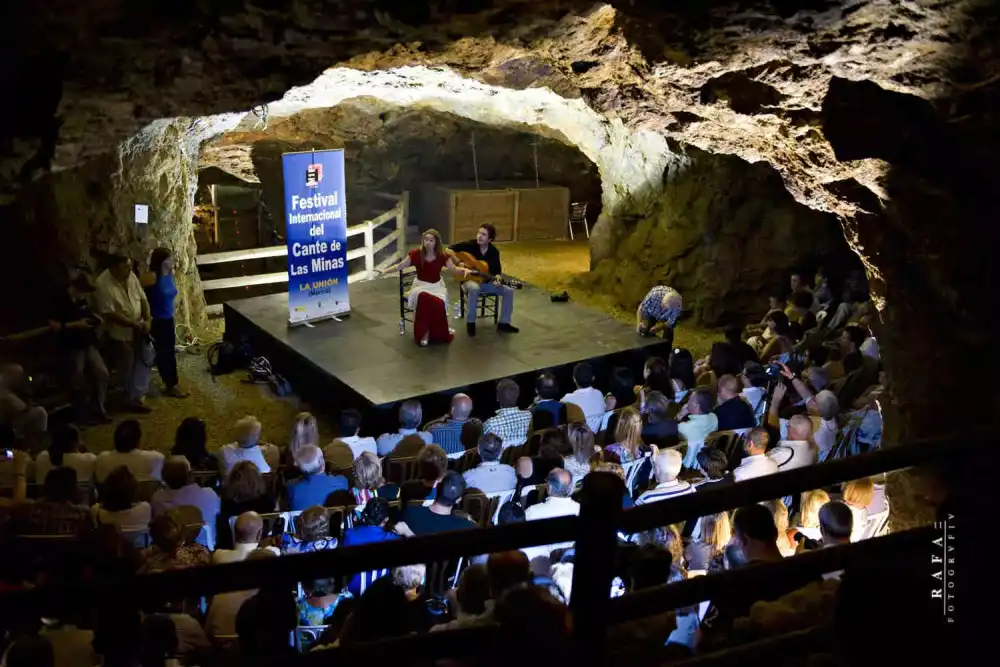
(653, 308)
(52, 518)
(511, 424)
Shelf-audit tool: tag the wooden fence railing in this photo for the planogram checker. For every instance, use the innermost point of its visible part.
(398, 213)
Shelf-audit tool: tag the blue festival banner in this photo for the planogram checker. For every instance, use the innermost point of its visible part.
(316, 233)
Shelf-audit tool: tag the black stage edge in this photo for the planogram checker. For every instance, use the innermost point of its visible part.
(363, 362)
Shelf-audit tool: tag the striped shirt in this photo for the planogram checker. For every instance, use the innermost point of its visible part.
(665, 491)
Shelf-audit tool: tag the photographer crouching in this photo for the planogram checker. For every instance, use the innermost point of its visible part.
(658, 313)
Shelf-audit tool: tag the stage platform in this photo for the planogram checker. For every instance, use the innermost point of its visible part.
(363, 362)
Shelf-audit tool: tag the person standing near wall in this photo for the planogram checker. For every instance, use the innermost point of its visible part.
(123, 306)
(161, 291)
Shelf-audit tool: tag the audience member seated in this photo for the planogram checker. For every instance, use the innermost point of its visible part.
(780, 343)
(446, 432)
(314, 486)
(411, 415)
(370, 482)
(491, 476)
(246, 448)
(119, 506)
(741, 350)
(249, 531)
(628, 643)
(471, 593)
(371, 526)
(857, 495)
(755, 536)
(510, 422)
(510, 512)
(619, 472)
(385, 609)
(798, 450)
(666, 467)
(224, 607)
(66, 450)
(305, 431)
(722, 360)
(144, 464)
(681, 373)
(170, 550)
(264, 624)
(756, 462)
(660, 429)
(836, 524)
(695, 422)
(822, 290)
(732, 412)
(547, 410)
(319, 602)
(350, 437)
(786, 544)
(312, 533)
(504, 571)
(56, 513)
(808, 523)
(182, 490)
(581, 440)
(711, 535)
(432, 464)
(714, 465)
(800, 311)
(628, 436)
(29, 422)
(191, 442)
(245, 490)
(590, 400)
(754, 391)
(558, 503)
(553, 446)
(438, 517)
(861, 371)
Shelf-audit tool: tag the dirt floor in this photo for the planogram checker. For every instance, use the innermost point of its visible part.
(220, 401)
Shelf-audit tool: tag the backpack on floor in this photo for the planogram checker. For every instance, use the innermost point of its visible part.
(225, 357)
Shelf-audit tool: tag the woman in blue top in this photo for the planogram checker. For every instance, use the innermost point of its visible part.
(161, 292)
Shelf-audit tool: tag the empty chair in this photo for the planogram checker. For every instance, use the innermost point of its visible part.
(578, 216)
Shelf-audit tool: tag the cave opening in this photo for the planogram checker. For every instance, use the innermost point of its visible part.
(390, 149)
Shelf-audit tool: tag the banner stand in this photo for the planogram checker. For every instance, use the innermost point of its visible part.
(316, 234)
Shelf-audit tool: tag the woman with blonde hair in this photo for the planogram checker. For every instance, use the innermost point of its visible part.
(305, 431)
(858, 495)
(716, 531)
(628, 436)
(369, 481)
(581, 439)
(808, 523)
(428, 296)
(786, 544)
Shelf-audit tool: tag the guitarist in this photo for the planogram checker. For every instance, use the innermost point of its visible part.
(482, 249)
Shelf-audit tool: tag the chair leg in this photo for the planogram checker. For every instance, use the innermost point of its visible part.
(461, 301)
(586, 227)
(569, 223)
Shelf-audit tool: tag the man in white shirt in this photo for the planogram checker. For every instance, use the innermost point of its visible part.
(181, 491)
(246, 448)
(666, 467)
(122, 303)
(222, 611)
(248, 532)
(700, 422)
(558, 503)
(144, 464)
(755, 463)
(410, 417)
(350, 428)
(798, 450)
(491, 476)
(590, 400)
(823, 409)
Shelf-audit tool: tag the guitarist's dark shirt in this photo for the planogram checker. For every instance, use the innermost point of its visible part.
(492, 256)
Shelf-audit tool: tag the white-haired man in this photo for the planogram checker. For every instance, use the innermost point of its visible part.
(246, 448)
(314, 486)
(659, 311)
(822, 408)
(798, 450)
(666, 467)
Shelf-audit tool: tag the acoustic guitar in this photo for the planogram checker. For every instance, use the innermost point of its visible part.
(480, 271)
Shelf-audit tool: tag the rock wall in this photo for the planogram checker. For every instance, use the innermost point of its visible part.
(724, 233)
(72, 220)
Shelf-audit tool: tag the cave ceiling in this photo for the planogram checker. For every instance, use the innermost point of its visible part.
(748, 78)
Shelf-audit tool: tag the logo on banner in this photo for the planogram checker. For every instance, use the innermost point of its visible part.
(314, 174)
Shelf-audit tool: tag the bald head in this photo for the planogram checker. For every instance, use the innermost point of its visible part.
(249, 528)
(729, 387)
(461, 407)
(668, 465)
(560, 483)
(799, 428)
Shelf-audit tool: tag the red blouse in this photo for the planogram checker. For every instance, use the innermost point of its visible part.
(429, 272)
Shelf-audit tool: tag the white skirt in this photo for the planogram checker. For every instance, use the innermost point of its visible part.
(438, 289)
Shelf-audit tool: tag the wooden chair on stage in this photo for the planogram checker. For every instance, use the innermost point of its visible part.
(486, 303)
(406, 314)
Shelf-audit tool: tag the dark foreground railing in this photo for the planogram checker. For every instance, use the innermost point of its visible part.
(595, 532)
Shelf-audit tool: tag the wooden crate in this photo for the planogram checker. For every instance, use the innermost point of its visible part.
(518, 210)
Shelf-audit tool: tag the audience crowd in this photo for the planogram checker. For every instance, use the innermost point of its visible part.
(800, 388)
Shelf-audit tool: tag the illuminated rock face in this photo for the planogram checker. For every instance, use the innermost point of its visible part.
(876, 112)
